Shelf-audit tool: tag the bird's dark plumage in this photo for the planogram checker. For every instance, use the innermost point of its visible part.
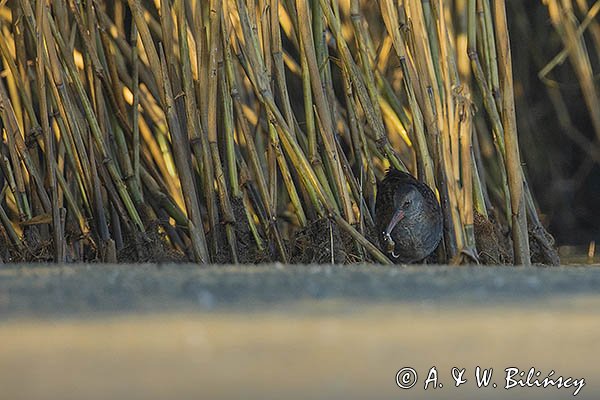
(408, 218)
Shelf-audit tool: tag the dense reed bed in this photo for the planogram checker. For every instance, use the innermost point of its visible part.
(253, 131)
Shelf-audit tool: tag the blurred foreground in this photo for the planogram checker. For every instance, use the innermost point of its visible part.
(148, 332)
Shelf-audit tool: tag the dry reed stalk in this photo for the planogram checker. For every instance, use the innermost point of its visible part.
(225, 125)
(513, 160)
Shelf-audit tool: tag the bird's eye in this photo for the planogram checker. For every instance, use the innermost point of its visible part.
(406, 204)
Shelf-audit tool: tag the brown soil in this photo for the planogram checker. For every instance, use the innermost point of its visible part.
(494, 245)
(542, 247)
(35, 249)
(247, 249)
(150, 246)
(313, 245)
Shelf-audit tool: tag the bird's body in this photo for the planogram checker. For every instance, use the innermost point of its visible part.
(408, 218)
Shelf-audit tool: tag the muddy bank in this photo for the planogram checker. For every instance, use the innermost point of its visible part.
(283, 332)
(312, 349)
(73, 289)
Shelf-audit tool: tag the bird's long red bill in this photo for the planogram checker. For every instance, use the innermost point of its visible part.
(396, 218)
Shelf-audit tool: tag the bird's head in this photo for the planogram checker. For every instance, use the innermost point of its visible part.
(407, 203)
